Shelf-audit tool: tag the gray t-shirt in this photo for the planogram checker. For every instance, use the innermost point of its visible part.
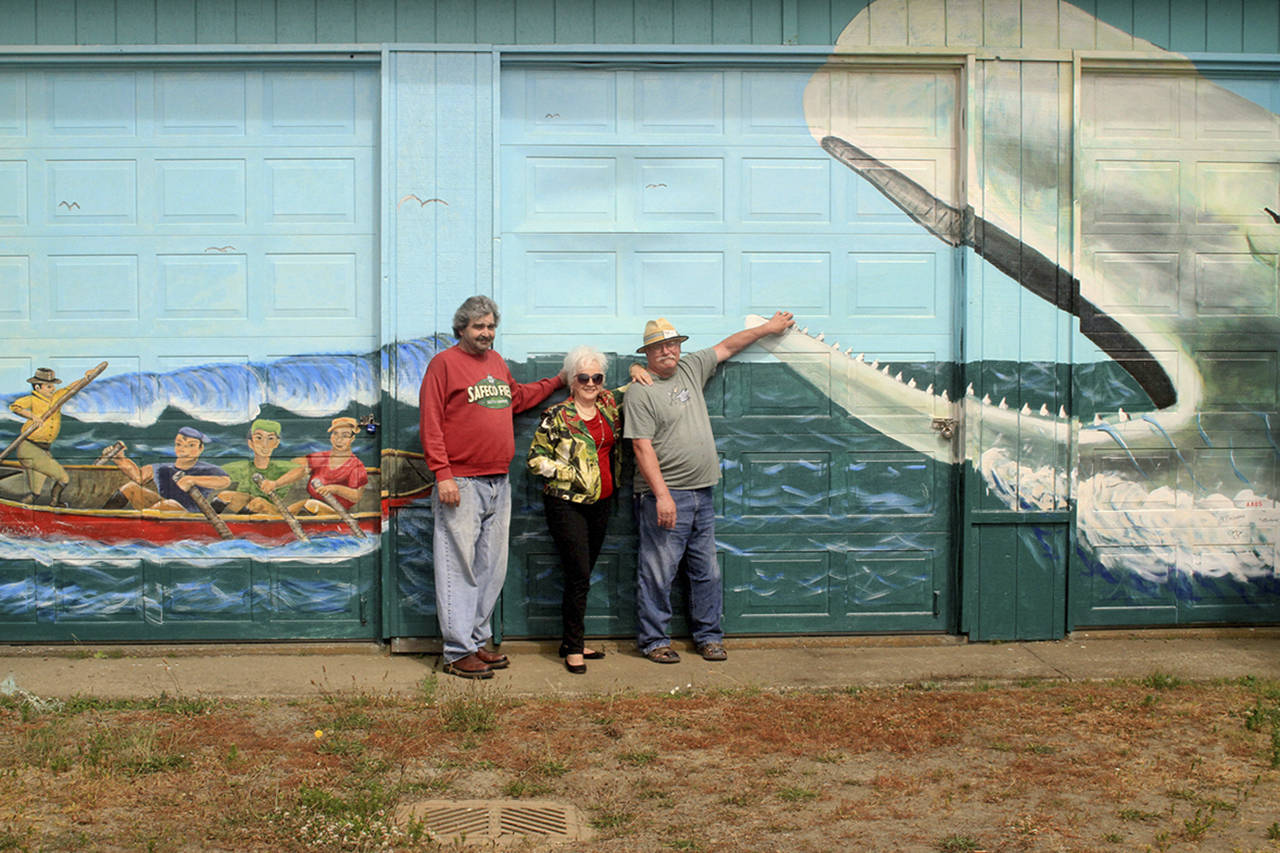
(672, 413)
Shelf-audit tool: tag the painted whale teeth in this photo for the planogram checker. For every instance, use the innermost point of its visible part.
(911, 383)
(968, 392)
(986, 399)
(929, 390)
(860, 358)
(1123, 415)
(1062, 412)
(898, 378)
(818, 336)
(1025, 410)
(1097, 419)
(875, 364)
(1044, 410)
(1004, 402)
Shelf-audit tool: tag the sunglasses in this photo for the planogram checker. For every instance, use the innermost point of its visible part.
(590, 378)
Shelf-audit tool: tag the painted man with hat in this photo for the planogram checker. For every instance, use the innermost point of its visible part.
(466, 404)
(247, 495)
(171, 479)
(34, 452)
(336, 472)
(675, 453)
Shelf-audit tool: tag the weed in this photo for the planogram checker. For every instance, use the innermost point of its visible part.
(1273, 831)
(685, 844)
(339, 745)
(740, 800)
(359, 821)
(517, 788)
(638, 757)
(1161, 681)
(1138, 816)
(1113, 838)
(957, 844)
(472, 716)
(427, 688)
(797, 795)
(552, 767)
(350, 720)
(1195, 827)
(611, 819)
(1041, 749)
(131, 751)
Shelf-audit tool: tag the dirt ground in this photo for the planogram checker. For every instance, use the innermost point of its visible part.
(1150, 764)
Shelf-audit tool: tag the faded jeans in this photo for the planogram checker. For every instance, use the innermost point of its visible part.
(661, 550)
(470, 555)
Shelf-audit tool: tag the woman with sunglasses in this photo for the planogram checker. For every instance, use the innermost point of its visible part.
(575, 450)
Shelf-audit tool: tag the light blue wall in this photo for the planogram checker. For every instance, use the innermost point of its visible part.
(1188, 26)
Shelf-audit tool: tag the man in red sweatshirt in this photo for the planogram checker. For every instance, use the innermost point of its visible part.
(465, 407)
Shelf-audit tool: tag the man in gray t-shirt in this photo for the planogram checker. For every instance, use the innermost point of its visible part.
(675, 451)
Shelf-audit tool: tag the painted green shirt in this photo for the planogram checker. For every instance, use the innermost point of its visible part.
(241, 473)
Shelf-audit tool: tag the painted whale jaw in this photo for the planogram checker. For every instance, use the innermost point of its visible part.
(882, 399)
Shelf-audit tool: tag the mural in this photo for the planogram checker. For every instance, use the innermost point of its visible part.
(1167, 452)
(1182, 483)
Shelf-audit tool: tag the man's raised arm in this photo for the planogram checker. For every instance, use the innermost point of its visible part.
(738, 341)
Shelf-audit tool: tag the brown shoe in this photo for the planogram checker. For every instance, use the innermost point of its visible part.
(469, 667)
(496, 660)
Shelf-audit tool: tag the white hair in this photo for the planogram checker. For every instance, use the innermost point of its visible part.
(575, 358)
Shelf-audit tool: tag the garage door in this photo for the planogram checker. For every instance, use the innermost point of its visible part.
(1177, 515)
(701, 195)
(210, 233)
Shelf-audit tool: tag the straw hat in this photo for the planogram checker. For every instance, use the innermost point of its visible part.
(660, 331)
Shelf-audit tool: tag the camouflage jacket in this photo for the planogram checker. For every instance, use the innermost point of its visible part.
(565, 455)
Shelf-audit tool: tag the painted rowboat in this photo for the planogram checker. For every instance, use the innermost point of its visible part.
(91, 486)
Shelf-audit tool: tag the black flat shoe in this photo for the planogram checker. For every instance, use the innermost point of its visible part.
(575, 668)
(596, 655)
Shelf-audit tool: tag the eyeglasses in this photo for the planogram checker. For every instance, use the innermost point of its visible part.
(590, 378)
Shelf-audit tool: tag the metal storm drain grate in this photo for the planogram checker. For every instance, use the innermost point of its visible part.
(492, 822)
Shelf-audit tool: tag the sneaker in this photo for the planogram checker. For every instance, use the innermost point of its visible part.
(469, 667)
(712, 651)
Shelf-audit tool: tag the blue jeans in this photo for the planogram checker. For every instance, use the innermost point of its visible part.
(470, 555)
(661, 550)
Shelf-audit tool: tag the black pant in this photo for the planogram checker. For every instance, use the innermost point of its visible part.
(578, 531)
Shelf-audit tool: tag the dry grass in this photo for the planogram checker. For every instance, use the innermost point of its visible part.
(1155, 764)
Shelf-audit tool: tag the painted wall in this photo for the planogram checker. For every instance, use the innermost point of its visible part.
(1114, 375)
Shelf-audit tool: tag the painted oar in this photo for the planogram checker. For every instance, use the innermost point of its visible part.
(338, 508)
(205, 507)
(283, 510)
(111, 451)
(71, 391)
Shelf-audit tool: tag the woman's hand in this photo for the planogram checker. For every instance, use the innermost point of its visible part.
(639, 374)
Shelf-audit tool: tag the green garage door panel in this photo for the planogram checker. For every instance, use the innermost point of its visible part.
(699, 195)
(1019, 590)
(211, 232)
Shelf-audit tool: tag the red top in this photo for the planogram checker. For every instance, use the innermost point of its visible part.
(465, 407)
(602, 435)
(350, 473)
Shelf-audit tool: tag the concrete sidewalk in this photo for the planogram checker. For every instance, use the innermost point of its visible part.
(303, 669)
